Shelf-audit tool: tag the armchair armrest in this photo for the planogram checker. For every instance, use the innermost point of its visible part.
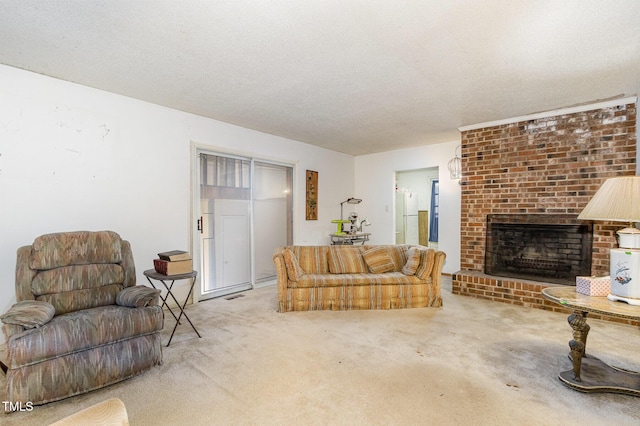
(29, 314)
(138, 296)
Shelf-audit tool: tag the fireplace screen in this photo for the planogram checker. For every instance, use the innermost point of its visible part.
(545, 248)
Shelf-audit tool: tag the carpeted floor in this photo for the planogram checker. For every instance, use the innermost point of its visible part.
(473, 362)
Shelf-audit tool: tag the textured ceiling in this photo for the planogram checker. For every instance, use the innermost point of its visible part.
(352, 76)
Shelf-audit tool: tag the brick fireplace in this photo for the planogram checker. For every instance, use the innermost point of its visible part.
(539, 247)
(544, 166)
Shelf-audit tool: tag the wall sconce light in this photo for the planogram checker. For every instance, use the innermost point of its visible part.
(455, 166)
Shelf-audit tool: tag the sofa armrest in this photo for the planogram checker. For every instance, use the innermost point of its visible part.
(282, 277)
(436, 277)
(138, 296)
(29, 314)
(11, 329)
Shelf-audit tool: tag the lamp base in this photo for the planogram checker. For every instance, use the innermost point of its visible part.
(629, 300)
(624, 271)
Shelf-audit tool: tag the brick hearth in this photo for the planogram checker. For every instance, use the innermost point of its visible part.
(551, 165)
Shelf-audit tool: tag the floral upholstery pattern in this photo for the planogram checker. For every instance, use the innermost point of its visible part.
(91, 341)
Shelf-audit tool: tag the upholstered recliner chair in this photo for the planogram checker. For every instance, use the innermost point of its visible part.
(80, 323)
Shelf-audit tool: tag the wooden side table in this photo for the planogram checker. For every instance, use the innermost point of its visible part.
(589, 374)
(152, 274)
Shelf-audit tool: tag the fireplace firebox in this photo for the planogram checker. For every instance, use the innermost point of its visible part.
(546, 248)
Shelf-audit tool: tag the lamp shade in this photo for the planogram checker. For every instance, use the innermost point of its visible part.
(618, 199)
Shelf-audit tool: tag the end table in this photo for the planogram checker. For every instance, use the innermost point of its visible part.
(590, 374)
(152, 274)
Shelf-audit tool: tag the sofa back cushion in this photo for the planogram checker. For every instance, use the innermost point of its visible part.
(347, 260)
(351, 259)
(77, 300)
(79, 270)
(77, 277)
(75, 248)
(76, 287)
(312, 259)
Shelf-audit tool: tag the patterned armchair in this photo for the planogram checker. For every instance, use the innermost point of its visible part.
(80, 323)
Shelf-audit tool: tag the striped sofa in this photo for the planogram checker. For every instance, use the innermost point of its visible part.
(345, 277)
(80, 323)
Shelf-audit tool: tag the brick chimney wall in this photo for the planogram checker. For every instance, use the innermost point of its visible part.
(551, 165)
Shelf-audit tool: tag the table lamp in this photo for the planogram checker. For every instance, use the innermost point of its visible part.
(341, 222)
(349, 201)
(618, 200)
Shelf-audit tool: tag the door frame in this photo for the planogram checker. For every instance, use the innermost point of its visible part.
(194, 233)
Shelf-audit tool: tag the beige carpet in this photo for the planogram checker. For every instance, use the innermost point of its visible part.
(473, 362)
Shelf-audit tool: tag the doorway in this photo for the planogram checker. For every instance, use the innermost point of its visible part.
(245, 212)
(416, 207)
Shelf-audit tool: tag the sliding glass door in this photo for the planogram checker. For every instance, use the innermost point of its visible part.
(272, 216)
(245, 213)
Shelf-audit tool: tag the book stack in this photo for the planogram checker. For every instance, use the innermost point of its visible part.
(173, 262)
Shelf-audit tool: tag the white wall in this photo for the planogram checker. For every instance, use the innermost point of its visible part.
(76, 158)
(374, 183)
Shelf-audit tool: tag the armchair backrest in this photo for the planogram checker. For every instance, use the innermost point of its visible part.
(75, 270)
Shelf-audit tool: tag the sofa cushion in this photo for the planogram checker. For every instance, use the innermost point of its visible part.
(378, 260)
(29, 314)
(347, 280)
(346, 260)
(427, 260)
(81, 330)
(75, 248)
(413, 261)
(294, 271)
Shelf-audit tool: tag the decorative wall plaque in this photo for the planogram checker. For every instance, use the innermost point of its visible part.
(312, 195)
